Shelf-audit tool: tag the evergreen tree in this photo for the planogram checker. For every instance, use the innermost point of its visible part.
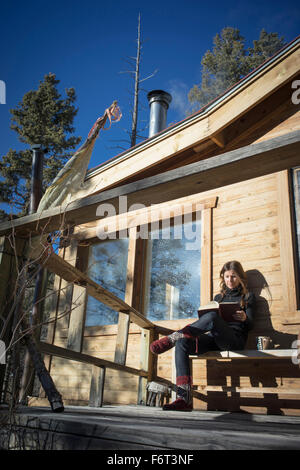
(42, 117)
(229, 61)
(265, 47)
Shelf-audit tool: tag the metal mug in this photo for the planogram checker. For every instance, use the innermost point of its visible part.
(263, 342)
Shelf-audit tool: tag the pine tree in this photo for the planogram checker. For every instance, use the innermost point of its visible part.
(265, 47)
(229, 61)
(42, 117)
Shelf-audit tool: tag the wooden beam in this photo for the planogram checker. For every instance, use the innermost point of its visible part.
(73, 275)
(231, 167)
(218, 139)
(53, 350)
(147, 215)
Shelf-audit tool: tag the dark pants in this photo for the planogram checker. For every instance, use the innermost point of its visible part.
(220, 337)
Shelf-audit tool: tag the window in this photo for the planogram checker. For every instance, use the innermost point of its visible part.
(172, 281)
(108, 267)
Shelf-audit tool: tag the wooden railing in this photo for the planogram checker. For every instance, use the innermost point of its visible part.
(98, 369)
(66, 271)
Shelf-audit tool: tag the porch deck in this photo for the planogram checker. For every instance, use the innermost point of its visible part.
(149, 428)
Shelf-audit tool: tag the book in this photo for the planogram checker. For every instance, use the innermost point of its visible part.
(226, 310)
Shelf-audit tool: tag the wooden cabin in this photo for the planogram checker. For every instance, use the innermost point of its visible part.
(154, 225)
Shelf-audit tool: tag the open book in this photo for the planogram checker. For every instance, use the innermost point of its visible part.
(226, 310)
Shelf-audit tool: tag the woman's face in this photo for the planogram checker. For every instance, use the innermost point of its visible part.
(231, 279)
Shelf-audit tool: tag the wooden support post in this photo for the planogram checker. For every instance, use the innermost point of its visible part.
(172, 300)
(66, 288)
(148, 363)
(287, 255)
(206, 256)
(97, 386)
(79, 300)
(124, 319)
(173, 379)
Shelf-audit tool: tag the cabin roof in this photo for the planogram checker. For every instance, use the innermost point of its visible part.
(236, 88)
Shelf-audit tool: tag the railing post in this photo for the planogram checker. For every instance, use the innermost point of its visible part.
(148, 363)
(97, 386)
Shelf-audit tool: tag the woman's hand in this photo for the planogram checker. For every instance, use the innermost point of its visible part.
(240, 315)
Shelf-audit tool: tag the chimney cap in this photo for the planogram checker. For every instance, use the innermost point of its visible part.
(159, 95)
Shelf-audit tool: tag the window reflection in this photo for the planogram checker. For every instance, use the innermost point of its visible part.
(107, 267)
(172, 282)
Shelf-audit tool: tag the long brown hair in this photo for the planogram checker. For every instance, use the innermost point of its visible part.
(242, 277)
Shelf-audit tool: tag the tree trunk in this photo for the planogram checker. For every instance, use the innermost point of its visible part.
(136, 88)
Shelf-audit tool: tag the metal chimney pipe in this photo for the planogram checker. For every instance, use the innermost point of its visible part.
(36, 192)
(159, 101)
(36, 177)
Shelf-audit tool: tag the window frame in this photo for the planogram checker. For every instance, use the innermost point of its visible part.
(133, 220)
(295, 207)
(287, 244)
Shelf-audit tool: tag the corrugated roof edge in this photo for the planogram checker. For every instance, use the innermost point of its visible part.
(93, 171)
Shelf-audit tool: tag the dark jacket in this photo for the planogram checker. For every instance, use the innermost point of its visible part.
(235, 295)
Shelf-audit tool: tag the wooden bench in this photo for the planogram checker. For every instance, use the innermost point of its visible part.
(292, 354)
(249, 354)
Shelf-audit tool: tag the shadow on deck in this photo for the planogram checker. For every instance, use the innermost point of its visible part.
(148, 428)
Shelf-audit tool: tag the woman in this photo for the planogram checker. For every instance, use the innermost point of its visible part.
(210, 332)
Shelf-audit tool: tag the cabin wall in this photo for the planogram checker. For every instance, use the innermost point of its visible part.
(246, 225)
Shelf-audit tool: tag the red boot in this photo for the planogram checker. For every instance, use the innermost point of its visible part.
(178, 405)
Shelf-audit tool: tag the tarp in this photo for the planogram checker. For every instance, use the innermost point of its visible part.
(71, 177)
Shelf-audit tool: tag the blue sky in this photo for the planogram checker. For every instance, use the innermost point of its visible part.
(86, 44)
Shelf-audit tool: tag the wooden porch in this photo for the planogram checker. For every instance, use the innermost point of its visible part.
(143, 428)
